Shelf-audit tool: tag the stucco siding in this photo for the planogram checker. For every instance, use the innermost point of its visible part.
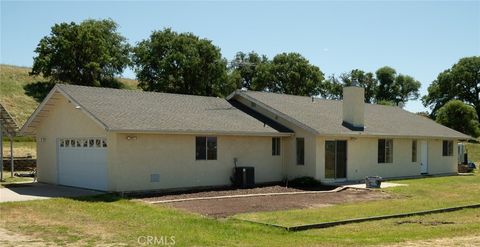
(362, 158)
(173, 158)
(290, 162)
(62, 121)
(439, 164)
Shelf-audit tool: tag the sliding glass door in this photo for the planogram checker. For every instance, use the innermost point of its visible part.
(336, 159)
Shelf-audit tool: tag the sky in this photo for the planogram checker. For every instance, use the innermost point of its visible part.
(417, 38)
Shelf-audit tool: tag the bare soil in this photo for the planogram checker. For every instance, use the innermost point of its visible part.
(219, 208)
(454, 241)
(229, 192)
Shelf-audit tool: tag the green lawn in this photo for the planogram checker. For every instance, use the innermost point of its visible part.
(420, 194)
(110, 219)
(473, 152)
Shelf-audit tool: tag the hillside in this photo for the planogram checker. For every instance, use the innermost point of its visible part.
(14, 97)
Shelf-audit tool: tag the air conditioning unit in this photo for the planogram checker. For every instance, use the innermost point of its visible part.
(244, 176)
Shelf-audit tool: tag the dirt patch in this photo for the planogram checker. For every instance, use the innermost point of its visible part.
(231, 192)
(454, 241)
(230, 206)
(8, 238)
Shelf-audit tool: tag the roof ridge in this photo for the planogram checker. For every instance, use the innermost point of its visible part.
(135, 91)
(316, 97)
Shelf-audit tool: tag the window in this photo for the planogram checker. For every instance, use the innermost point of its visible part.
(83, 143)
(385, 151)
(300, 151)
(414, 151)
(206, 148)
(447, 148)
(276, 146)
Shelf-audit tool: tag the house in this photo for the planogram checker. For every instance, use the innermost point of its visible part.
(124, 140)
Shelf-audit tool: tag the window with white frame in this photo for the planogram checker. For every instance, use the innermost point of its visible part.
(83, 143)
(276, 146)
(414, 151)
(385, 150)
(205, 148)
(447, 148)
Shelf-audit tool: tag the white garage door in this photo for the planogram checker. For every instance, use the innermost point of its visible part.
(82, 162)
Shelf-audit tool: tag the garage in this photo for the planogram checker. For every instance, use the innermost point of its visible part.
(82, 162)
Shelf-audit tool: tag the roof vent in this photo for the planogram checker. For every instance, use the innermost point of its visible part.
(354, 108)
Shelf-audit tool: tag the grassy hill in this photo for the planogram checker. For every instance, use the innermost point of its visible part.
(13, 96)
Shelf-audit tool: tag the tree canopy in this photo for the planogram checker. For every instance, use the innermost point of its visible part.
(183, 63)
(459, 116)
(290, 73)
(395, 87)
(244, 67)
(91, 53)
(355, 77)
(384, 87)
(461, 82)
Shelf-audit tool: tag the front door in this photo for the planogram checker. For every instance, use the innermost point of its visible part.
(336, 159)
(424, 157)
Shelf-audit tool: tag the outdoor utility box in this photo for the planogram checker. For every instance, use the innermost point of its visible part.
(244, 176)
(373, 182)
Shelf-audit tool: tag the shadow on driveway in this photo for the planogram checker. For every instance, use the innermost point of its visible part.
(35, 191)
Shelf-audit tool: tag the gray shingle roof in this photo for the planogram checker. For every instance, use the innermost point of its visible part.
(129, 110)
(325, 117)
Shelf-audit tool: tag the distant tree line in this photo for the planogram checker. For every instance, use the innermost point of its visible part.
(94, 53)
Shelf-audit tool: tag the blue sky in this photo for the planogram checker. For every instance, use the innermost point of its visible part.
(418, 38)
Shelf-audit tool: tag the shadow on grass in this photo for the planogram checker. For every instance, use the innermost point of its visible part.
(98, 198)
(38, 90)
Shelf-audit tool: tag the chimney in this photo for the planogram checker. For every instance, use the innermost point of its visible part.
(354, 108)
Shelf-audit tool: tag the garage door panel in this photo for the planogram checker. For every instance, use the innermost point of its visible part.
(82, 163)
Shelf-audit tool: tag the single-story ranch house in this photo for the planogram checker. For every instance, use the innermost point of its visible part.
(124, 140)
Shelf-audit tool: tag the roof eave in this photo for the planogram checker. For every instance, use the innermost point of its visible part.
(377, 135)
(55, 89)
(201, 132)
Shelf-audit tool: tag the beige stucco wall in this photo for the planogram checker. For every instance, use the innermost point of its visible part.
(62, 121)
(291, 169)
(173, 158)
(362, 158)
(438, 164)
(130, 162)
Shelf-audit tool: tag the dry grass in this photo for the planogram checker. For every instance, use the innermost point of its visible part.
(20, 149)
(12, 93)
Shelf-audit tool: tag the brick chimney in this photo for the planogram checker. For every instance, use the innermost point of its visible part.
(354, 108)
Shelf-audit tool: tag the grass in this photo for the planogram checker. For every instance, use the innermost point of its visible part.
(420, 194)
(473, 150)
(109, 219)
(20, 149)
(13, 96)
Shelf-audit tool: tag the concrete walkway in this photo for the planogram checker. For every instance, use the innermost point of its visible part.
(36, 191)
(382, 185)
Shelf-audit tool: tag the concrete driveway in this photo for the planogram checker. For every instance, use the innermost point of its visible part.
(36, 191)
